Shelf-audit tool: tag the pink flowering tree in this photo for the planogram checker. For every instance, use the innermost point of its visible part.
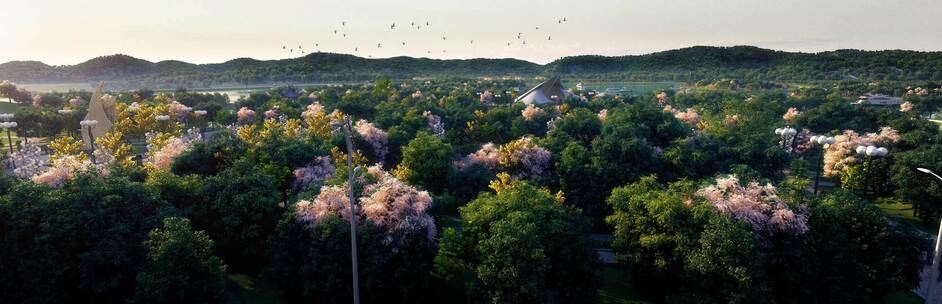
(179, 111)
(245, 116)
(791, 114)
(487, 157)
(841, 155)
(487, 97)
(376, 137)
(319, 170)
(435, 124)
(162, 151)
(756, 205)
(395, 235)
(531, 112)
(690, 116)
(29, 160)
(906, 107)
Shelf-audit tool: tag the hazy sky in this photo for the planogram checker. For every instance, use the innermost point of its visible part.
(207, 31)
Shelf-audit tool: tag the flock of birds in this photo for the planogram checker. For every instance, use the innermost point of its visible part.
(341, 34)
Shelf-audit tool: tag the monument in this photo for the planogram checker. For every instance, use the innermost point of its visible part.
(102, 109)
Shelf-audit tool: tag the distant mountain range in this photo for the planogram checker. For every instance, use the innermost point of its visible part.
(693, 63)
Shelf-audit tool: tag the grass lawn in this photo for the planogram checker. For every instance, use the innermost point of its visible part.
(904, 213)
(903, 297)
(617, 289)
(8, 107)
(254, 290)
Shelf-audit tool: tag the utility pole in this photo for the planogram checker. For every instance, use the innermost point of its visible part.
(353, 217)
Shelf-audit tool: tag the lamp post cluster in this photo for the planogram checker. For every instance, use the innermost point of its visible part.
(870, 152)
(8, 124)
(88, 125)
(823, 141)
(787, 135)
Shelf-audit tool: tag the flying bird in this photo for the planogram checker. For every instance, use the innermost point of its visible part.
(345, 34)
(472, 41)
(343, 23)
(443, 37)
(403, 43)
(393, 26)
(426, 23)
(284, 47)
(379, 45)
(549, 38)
(335, 32)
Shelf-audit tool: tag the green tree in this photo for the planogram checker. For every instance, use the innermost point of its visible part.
(520, 246)
(181, 267)
(426, 162)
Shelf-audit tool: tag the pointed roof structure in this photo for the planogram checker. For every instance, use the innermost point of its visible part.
(102, 109)
(549, 91)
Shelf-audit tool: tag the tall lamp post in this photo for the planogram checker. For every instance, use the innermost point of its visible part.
(353, 217)
(823, 141)
(787, 135)
(870, 152)
(88, 125)
(930, 297)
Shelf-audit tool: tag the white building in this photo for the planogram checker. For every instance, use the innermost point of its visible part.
(550, 91)
(879, 100)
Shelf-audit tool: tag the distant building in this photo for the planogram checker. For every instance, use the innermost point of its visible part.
(550, 91)
(879, 100)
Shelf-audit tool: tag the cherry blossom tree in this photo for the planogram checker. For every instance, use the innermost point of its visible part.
(791, 114)
(906, 107)
(318, 170)
(756, 205)
(376, 137)
(531, 112)
(843, 152)
(435, 124)
(245, 116)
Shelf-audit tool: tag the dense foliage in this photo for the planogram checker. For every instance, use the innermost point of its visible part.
(464, 195)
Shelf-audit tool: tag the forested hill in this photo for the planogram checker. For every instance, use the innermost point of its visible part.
(311, 68)
(747, 62)
(694, 63)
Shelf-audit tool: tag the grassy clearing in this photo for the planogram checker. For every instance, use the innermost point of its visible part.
(617, 289)
(903, 297)
(8, 107)
(904, 213)
(254, 290)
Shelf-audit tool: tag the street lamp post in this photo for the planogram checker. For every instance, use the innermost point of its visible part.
(930, 297)
(823, 141)
(88, 125)
(870, 152)
(787, 135)
(353, 217)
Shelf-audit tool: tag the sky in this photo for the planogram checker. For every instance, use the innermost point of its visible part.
(210, 31)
